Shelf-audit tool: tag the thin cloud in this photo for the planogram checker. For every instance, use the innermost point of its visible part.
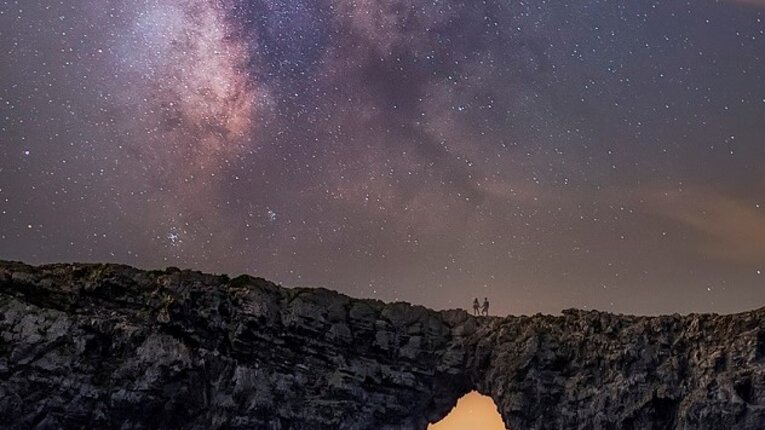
(728, 228)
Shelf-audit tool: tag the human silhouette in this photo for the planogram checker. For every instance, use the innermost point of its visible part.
(476, 307)
(485, 310)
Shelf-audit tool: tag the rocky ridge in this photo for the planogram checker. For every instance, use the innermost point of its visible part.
(110, 346)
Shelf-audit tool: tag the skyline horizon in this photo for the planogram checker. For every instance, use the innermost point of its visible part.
(466, 308)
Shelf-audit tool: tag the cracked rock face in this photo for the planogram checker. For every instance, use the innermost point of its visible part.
(107, 346)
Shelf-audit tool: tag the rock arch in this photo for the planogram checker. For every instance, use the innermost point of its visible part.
(110, 346)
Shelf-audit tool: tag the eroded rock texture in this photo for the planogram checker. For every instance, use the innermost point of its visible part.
(592, 370)
(106, 346)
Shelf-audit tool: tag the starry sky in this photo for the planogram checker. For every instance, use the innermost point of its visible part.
(544, 154)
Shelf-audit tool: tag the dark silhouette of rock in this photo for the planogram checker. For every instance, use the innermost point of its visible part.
(112, 347)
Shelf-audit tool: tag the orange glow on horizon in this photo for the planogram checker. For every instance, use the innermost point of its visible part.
(473, 412)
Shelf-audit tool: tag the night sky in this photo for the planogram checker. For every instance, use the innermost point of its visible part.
(544, 154)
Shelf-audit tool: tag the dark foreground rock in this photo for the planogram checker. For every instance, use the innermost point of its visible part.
(112, 347)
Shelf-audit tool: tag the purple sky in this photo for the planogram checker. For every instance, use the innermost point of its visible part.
(598, 154)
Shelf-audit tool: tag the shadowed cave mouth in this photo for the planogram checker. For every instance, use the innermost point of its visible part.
(473, 411)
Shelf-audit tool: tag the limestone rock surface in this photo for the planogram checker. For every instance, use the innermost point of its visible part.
(113, 347)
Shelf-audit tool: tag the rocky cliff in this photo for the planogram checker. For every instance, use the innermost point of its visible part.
(107, 346)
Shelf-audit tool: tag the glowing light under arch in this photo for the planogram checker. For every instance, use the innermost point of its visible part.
(472, 412)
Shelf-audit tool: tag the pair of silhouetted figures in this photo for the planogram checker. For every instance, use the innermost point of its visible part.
(481, 310)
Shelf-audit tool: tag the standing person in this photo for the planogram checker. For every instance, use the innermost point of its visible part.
(476, 306)
(485, 310)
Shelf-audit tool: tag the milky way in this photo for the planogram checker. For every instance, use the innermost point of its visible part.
(544, 154)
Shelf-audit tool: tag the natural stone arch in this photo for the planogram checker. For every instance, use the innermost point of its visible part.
(109, 346)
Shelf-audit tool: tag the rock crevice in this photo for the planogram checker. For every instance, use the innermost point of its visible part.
(109, 346)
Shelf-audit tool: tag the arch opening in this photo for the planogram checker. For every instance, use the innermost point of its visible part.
(473, 411)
